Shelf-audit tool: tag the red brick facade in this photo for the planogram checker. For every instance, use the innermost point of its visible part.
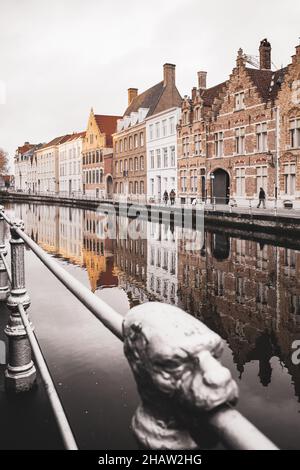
(236, 137)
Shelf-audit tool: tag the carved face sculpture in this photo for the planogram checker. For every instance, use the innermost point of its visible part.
(176, 355)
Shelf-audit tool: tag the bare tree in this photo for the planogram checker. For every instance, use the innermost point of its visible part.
(3, 162)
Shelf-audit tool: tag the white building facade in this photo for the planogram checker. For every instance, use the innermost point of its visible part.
(70, 164)
(21, 166)
(162, 272)
(161, 139)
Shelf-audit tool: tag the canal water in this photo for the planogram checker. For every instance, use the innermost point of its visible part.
(246, 290)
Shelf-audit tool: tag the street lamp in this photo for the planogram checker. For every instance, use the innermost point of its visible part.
(274, 164)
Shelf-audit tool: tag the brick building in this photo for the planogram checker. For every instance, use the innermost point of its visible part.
(288, 105)
(130, 159)
(96, 145)
(235, 137)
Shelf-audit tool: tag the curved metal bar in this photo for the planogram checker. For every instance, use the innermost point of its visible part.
(62, 422)
(236, 432)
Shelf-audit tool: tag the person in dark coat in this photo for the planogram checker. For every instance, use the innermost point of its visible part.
(172, 197)
(166, 197)
(262, 198)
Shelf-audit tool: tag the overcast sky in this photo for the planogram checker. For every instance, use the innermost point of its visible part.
(59, 58)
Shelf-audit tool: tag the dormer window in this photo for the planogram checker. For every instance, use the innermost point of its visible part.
(239, 100)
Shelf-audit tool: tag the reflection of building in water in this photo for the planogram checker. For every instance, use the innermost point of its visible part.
(42, 224)
(162, 262)
(97, 251)
(130, 258)
(249, 293)
(70, 234)
(58, 230)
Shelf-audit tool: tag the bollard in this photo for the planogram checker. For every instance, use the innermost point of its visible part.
(250, 207)
(3, 252)
(20, 374)
(174, 359)
(214, 203)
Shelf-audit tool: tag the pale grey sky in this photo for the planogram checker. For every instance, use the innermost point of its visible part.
(60, 57)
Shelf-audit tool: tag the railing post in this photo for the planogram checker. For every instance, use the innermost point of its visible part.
(3, 252)
(174, 358)
(20, 373)
(186, 393)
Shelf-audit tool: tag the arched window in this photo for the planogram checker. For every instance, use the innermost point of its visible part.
(130, 142)
(142, 187)
(101, 176)
(97, 176)
(136, 187)
(130, 164)
(125, 144)
(136, 163)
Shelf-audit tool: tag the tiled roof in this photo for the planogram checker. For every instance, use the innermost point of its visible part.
(276, 82)
(267, 82)
(24, 148)
(76, 135)
(209, 94)
(262, 80)
(147, 99)
(107, 124)
(56, 141)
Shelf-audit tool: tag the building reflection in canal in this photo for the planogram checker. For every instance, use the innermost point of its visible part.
(247, 291)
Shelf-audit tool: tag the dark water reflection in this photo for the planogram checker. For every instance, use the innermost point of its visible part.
(247, 291)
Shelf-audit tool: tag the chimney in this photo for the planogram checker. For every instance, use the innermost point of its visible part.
(132, 93)
(202, 79)
(265, 55)
(169, 74)
(296, 57)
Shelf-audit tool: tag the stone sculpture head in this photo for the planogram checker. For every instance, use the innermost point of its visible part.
(174, 358)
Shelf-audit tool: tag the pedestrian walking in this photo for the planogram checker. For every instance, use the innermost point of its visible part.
(166, 197)
(262, 198)
(172, 197)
